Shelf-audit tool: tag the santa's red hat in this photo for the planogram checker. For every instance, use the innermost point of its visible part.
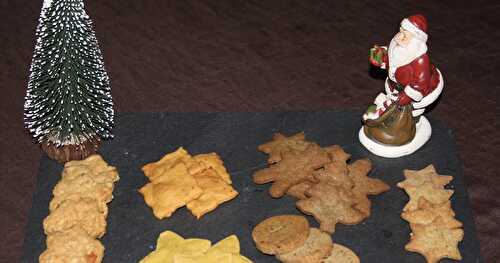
(416, 24)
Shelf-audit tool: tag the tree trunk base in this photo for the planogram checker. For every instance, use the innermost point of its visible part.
(71, 152)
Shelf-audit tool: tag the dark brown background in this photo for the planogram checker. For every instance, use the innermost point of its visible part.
(263, 56)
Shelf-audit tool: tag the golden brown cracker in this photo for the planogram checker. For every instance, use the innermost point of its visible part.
(201, 182)
(281, 144)
(215, 191)
(281, 234)
(341, 254)
(171, 190)
(317, 246)
(84, 213)
(72, 246)
(435, 242)
(294, 168)
(213, 161)
(154, 169)
(427, 212)
(330, 204)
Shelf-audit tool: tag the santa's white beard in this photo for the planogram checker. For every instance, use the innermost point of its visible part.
(402, 55)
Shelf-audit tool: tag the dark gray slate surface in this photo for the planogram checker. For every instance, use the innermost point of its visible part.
(145, 137)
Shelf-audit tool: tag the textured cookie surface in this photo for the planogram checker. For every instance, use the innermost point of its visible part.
(299, 190)
(281, 234)
(435, 241)
(317, 247)
(72, 246)
(294, 168)
(282, 144)
(215, 192)
(330, 204)
(84, 213)
(427, 175)
(341, 254)
(428, 212)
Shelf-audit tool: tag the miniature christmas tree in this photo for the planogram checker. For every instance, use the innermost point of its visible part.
(68, 105)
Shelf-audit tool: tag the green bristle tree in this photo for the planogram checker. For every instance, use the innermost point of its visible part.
(68, 105)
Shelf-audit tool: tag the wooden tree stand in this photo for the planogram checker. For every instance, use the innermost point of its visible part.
(71, 152)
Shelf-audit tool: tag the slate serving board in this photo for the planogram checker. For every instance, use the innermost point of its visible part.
(145, 137)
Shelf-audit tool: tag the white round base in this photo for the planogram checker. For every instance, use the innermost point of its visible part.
(422, 135)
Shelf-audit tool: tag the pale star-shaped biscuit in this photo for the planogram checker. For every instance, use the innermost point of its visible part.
(419, 177)
(429, 191)
(435, 242)
(427, 212)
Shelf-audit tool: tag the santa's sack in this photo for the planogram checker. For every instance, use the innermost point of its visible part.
(395, 127)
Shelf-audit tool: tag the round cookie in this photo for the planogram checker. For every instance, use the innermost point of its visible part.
(341, 254)
(317, 247)
(281, 234)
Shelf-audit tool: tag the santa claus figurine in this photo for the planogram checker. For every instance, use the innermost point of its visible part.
(393, 125)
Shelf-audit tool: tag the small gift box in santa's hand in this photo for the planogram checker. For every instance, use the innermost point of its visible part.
(377, 54)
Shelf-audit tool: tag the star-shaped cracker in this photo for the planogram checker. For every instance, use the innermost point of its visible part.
(330, 204)
(428, 174)
(215, 191)
(427, 212)
(435, 242)
(282, 144)
(434, 194)
(170, 190)
(294, 168)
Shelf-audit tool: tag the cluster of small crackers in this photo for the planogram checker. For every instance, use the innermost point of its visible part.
(199, 182)
(78, 212)
(292, 240)
(327, 187)
(435, 231)
(172, 248)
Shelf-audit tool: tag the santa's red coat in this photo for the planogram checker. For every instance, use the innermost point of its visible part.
(420, 76)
